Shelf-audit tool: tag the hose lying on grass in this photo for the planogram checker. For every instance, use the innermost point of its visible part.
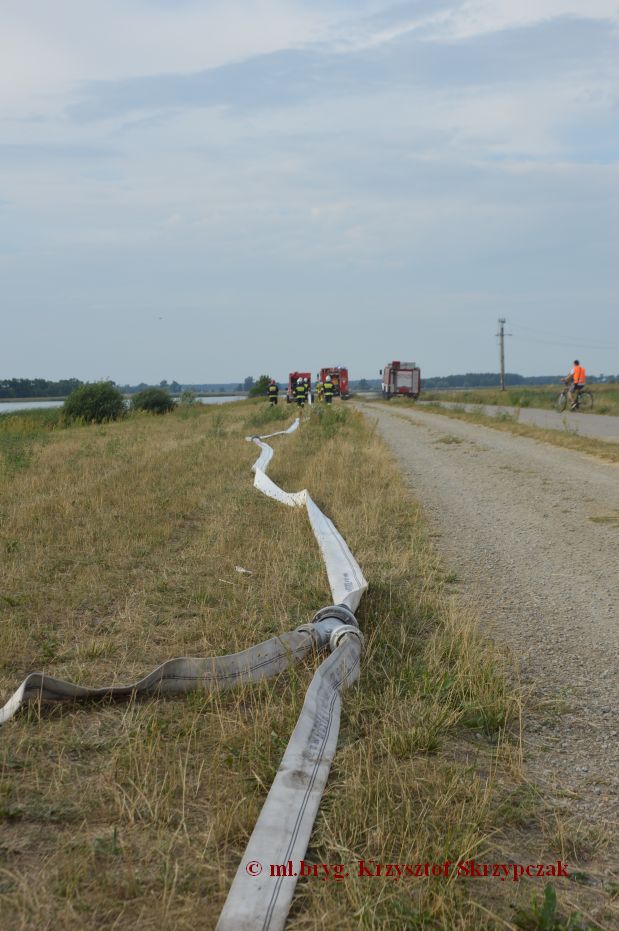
(179, 676)
(283, 829)
(257, 899)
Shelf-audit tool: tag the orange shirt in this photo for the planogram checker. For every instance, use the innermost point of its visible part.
(579, 375)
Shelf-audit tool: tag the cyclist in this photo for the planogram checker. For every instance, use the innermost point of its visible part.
(576, 380)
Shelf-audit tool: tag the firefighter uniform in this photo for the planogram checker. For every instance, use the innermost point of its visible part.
(319, 390)
(328, 391)
(299, 394)
(273, 392)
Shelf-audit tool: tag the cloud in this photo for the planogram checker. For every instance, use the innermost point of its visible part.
(288, 78)
(22, 154)
(480, 17)
(428, 164)
(45, 47)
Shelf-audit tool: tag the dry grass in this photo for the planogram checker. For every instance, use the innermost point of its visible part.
(601, 449)
(605, 396)
(119, 545)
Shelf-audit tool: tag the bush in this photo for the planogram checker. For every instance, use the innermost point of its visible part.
(188, 397)
(155, 400)
(260, 387)
(95, 403)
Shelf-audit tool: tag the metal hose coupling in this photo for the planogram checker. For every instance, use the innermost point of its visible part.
(326, 621)
(341, 612)
(342, 631)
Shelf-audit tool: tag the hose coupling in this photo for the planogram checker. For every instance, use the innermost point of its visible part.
(340, 612)
(340, 632)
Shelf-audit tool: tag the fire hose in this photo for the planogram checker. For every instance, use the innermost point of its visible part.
(282, 832)
(283, 829)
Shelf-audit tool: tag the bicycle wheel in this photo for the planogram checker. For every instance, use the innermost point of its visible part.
(585, 401)
(561, 402)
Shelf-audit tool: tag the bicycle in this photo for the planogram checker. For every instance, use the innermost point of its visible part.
(582, 402)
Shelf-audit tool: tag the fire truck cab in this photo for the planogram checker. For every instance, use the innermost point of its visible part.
(292, 381)
(401, 378)
(339, 380)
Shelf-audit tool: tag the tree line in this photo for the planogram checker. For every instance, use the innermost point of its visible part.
(43, 388)
(37, 387)
(493, 380)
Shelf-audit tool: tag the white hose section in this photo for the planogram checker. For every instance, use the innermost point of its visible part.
(257, 900)
(282, 832)
(176, 676)
(343, 571)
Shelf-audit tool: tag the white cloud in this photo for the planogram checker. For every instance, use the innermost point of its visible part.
(465, 20)
(478, 17)
(44, 47)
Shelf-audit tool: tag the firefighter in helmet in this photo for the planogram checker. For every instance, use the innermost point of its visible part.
(306, 388)
(273, 392)
(319, 389)
(299, 392)
(328, 389)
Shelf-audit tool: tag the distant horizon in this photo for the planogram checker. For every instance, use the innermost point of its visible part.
(234, 384)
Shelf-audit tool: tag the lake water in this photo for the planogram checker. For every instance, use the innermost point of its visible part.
(6, 407)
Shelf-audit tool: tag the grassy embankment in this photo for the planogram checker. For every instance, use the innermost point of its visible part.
(119, 544)
(605, 397)
(509, 423)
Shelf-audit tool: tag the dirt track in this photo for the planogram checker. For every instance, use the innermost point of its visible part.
(532, 531)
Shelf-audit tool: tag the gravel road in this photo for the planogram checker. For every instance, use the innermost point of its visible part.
(599, 427)
(532, 531)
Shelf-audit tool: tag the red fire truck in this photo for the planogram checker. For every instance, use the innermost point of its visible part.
(339, 380)
(401, 378)
(292, 380)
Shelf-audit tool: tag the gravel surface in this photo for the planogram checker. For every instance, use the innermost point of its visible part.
(532, 531)
(597, 426)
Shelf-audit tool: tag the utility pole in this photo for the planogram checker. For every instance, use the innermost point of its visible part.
(501, 335)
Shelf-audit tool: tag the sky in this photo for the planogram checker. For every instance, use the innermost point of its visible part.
(201, 190)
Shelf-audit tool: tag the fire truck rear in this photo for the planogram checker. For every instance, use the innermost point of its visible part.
(401, 378)
(292, 381)
(339, 380)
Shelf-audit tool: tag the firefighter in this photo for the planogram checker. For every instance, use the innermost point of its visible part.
(299, 392)
(319, 389)
(328, 389)
(273, 392)
(306, 388)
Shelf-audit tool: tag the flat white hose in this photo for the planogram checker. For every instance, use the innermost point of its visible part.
(259, 899)
(260, 896)
(343, 571)
(176, 676)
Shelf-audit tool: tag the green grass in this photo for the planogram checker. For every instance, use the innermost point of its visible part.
(22, 433)
(265, 414)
